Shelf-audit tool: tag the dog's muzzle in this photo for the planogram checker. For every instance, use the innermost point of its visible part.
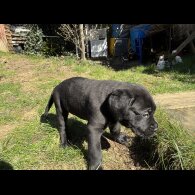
(154, 127)
(150, 132)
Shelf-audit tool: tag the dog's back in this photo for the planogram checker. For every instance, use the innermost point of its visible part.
(83, 97)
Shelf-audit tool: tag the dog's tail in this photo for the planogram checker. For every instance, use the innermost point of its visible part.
(50, 102)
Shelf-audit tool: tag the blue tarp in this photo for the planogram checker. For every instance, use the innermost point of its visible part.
(137, 34)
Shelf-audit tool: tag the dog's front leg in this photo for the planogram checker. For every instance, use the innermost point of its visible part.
(115, 130)
(94, 146)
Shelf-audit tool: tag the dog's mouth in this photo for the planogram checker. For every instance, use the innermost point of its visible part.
(144, 134)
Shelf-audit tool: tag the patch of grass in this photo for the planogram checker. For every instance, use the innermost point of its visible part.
(4, 73)
(171, 149)
(35, 146)
(69, 60)
(4, 54)
(48, 85)
(14, 102)
(10, 87)
(169, 81)
(9, 93)
(164, 81)
(175, 147)
(82, 69)
(181, 78)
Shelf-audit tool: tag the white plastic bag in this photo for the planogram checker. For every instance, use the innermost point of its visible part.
(161, 63)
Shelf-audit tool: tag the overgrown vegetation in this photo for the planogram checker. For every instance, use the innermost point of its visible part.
(175, 147)
(29, 143)
(172, 149)
(34, 40)
(40, 44)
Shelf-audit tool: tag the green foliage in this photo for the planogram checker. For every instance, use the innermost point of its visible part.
(37, 44)
(175, 147)
(52, 47)
(34, 41)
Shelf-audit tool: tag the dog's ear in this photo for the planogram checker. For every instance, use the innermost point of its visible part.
(119, 99)
(117, 92)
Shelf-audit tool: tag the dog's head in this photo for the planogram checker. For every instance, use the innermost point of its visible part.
(134, 108)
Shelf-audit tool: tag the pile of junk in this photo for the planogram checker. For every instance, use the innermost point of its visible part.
(159, 43)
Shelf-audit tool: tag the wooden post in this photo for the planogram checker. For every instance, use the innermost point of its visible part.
(82, 41)
(3, 39)
(191, 43)
(77, 55)
(182, 45)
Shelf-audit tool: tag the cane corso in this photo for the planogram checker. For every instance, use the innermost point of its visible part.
(103, 103)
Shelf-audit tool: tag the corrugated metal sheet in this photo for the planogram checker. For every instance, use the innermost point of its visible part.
(99, 48)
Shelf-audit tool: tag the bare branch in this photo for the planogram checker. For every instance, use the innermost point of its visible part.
(71, 33)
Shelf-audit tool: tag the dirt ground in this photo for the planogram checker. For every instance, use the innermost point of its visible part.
(181, 106)
(176, 100)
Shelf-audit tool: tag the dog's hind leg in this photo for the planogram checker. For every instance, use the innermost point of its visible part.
(62, 116)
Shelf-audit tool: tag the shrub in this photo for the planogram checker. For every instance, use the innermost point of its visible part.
(34, 42)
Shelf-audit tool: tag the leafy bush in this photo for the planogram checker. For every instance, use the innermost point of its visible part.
(34, 42)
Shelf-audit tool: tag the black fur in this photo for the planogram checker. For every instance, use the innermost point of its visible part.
(103, 103)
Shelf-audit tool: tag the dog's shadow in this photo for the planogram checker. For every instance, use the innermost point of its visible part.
(76, 132)
(143, 152)
(5, 165)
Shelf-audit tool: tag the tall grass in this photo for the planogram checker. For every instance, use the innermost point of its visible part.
(175, 147)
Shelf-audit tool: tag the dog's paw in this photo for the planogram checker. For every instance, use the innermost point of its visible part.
(123, 139)
(44, 117)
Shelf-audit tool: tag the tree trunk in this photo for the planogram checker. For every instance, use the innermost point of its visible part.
(77, 53)
(82, 41)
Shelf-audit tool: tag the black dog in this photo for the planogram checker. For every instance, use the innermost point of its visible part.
(103, 103)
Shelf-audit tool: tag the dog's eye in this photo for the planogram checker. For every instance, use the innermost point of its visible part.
(146, 115)
(136, 113)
